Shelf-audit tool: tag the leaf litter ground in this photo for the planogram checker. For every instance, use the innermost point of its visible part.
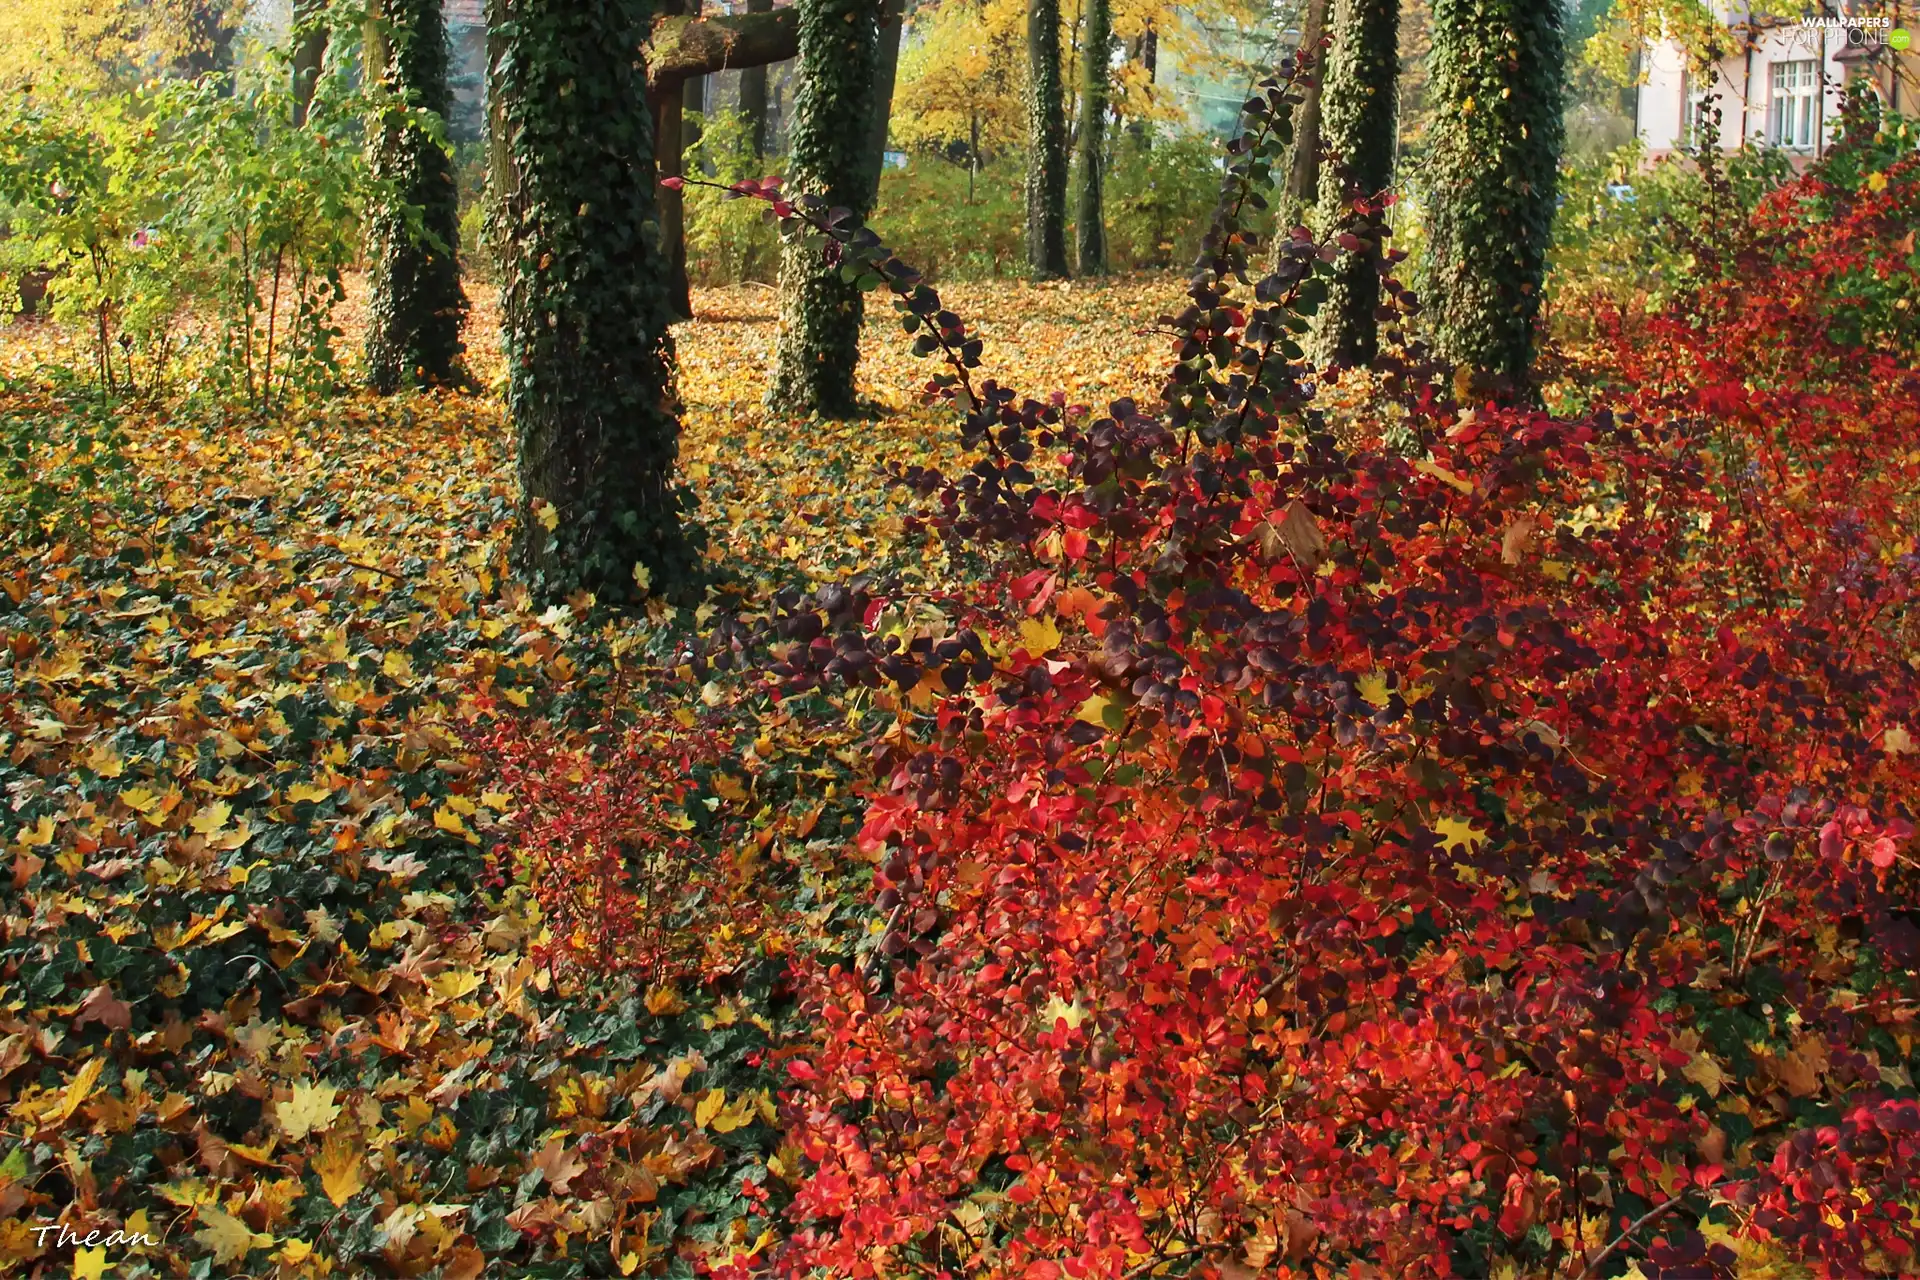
(260, 1001)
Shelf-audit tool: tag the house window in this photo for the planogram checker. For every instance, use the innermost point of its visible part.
(1693, 109)
(1791, 105)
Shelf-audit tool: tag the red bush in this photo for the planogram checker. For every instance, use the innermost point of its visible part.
(1336, 862)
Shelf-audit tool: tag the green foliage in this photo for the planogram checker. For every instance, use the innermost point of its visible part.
(728, 240)
(586, 304)
(1046, 144)
(416, 304)
(1498, 85)
(182, 218)
(1628, 231)
(962, 225)
(1357, 120)
(1160, 199)
(820, 311)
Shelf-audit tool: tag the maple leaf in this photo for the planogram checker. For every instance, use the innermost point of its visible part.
(558, 1165)
(338, 1165)
(309, 1108)
(227, 1237)
(105, 1008)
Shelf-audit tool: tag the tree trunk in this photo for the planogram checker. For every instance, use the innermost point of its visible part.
(415, 305)
(1303, 157)
(1046, 144)
(1357, 124)
(1147, 53)
(753, 91)
(820, 313)
(1498, 88)
(1096, 63)
(309, 54)
(666, 99)
(885, 74)
(585, 302)
(668, 124)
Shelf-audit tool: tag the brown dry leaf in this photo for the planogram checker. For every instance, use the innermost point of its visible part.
(1300, 533)
(103, 1007)
(1517, 538)
(559, 1165)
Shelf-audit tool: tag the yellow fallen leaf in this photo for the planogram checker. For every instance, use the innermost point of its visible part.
(310, 1109)
(89, 1264)
(338, 1165)
(308, 791)
(212, 818)
(709, 1106)
(227, 1237)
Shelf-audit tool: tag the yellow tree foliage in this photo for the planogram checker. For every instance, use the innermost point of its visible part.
(962, 75)
(90, 43)
(965, 66)
(1630, 24)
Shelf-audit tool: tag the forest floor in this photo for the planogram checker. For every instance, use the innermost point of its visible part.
(260, 1000)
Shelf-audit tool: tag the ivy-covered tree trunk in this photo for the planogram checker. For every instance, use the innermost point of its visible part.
(1046, 144)
(1498, 87)
(1096, 62)
(753, 91)
(828, 155)
(585, 301)
(414, 305)
(1302, 186)
(1357, 127)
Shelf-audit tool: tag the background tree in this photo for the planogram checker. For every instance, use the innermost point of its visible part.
(309, 53)
(885, 77)
(1497, 84)
(828, 154)
(1357, 131)
(1046, 144)
(960, 79)
(585, 300)
(1302, 187)
(753, 90)
(415, 305)
(1096, 57)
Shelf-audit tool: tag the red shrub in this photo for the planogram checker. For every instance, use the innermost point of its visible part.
(1346, 863)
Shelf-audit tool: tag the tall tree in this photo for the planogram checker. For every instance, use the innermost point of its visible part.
(1096, 61)
(1302, 187)
(1498, 87)
(309, 53)
(1357, 129)
(753, 91)
(828, 153)
(886, 74)
(585, 300)
(1046, 144)
(415, 305)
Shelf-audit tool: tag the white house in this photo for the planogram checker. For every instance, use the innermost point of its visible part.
(1780, 77)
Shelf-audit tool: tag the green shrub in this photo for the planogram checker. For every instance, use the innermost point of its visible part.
(1160, 199)
(728, 240)
(190, 218)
